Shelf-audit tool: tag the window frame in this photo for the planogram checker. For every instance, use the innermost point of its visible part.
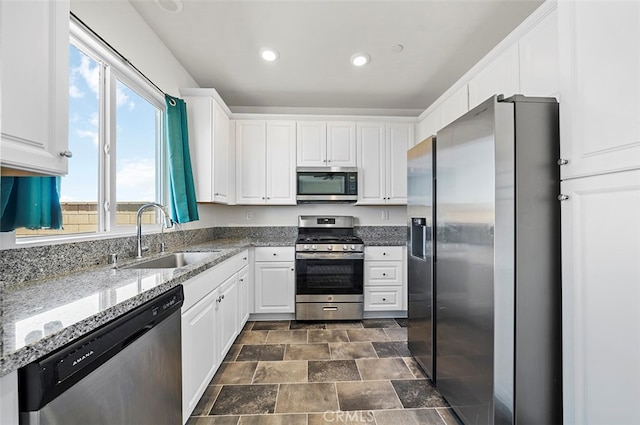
(113, 68)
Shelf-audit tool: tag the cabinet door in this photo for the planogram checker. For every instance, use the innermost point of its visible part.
(600, 297)
(600, 86)
(245, 299)
(399, 140)
(200, 115)
(383, 298)
(227, 315)
(199, 356)
(274, 287)
(221, 155)
(251, 156)
(311, 144)
(341, 144)
(539, 66)
(499, 77)
(35, 85)
(371, 163)
(281, 163)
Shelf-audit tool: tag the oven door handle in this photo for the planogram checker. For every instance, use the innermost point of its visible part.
(329, 255)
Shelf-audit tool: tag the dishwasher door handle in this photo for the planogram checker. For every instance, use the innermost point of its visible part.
(137, 335)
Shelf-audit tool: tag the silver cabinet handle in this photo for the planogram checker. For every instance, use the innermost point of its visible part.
(562, 197)
(66, 154)
(562, 161)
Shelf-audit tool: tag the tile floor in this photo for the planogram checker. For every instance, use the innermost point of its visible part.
(310, 373)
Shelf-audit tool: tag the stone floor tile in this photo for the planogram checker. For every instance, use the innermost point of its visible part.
(287, 337)
(408, 417)
(307, 325)
(449, 417)
(333, 370)
(311, 397)
(248, 326)
(352, 350)
(328, 335)
(271, 325)
(367, 335)
(391, 348)
(415, 368)
(380, 323)
(235, 373)
(376, 369)
(402, 322)
(418, 393)
(233, 353)
(367, 395)
(277, 419)
(252, 337)
(396, 334)
(345, 325)
(245, 400)
(280, 372)
(213, 420)
(207, 400)
(307, 352)
(256, 353)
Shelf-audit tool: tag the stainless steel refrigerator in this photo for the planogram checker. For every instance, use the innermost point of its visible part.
(496, 263)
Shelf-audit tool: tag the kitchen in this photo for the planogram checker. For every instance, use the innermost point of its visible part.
(594, 169)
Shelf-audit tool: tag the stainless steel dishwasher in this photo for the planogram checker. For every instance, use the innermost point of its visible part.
(126, 372)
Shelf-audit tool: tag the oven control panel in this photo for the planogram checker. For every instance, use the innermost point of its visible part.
(329, 247)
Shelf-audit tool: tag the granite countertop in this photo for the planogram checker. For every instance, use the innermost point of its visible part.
(39, 317)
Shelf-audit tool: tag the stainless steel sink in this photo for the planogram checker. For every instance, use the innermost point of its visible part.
(172, 261)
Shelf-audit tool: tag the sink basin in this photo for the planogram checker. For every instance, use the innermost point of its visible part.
(172, 261)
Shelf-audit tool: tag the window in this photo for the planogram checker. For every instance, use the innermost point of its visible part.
(115, 134)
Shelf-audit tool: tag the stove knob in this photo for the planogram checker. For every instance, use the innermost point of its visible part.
(306, 247)
(353, 247)
(344, 247)
(314, 247)
(329, 247)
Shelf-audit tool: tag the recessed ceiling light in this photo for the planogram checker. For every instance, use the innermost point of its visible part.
(269, 54)
(171, 6)
(360, 59)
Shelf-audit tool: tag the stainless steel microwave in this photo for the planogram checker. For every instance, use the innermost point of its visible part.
(323, 184)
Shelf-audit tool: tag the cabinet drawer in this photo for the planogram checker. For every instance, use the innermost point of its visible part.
(382, 298)
(281, 253)
(383, 273)
(383, 253)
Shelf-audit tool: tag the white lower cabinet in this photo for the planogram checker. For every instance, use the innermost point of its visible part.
(385, 284)
(600, 298)
(211, 321)
(275, 280)
(245, 296)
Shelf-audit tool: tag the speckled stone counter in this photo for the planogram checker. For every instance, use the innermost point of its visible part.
(383, 235)
(43, 315)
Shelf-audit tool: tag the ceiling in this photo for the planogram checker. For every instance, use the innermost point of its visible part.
(218, 43)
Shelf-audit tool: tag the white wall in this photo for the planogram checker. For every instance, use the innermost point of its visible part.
(223, 215)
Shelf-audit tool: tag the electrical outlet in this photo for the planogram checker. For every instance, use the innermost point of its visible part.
(249, 215)
(385, 214)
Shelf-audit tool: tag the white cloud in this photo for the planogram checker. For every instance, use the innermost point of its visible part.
(121, 97)
(135, 181)
(93, 120)
(75, 92)
(88, 134)
(91, 75)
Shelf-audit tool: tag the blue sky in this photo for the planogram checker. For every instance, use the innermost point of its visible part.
(135, 137)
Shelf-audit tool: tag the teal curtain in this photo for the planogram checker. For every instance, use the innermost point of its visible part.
(183, 193)
(31, 202)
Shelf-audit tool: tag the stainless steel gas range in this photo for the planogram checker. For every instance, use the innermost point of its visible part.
(329, 269)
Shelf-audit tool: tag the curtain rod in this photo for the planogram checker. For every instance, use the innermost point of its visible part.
(114, 50)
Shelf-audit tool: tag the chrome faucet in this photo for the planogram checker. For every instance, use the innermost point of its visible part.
(167, 223)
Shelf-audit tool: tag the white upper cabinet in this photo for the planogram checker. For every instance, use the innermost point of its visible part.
(382, 162)
(600, 86)
(211, 146)
(265, 162)
(499, 77)
(326, 144)
(35, 85)
(539, 61)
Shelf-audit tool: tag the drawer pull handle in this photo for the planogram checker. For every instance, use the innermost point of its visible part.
(330, 308)
(384, 299)
(274, 254)
(384, 274)
(384, 253)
